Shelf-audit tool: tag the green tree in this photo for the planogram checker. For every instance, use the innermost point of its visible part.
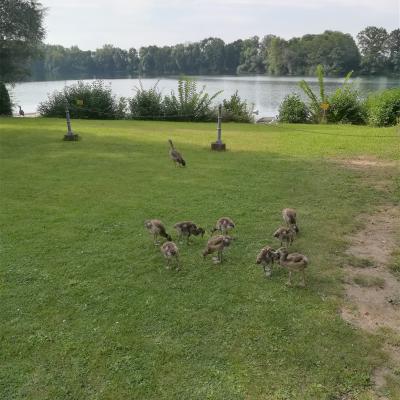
(372, 42)
(21, 31)
(393, 48)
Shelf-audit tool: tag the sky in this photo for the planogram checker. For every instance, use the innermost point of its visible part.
(134, 23)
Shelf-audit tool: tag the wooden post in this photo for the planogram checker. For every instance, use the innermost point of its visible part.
(218, 145)
(70, 135)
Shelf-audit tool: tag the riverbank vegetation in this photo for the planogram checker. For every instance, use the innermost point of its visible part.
(377, 53)
(344, 105)
(95, 101)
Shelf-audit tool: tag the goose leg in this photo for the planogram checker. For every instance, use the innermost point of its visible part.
(289, 282)
(304, 278)
(156, 243)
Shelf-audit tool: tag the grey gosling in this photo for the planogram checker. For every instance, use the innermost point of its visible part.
(285, 235)
(223, 225)
(294, 262)
(188, 228)
(217, 244)
(266, 258)
(170, 251)
(289, 216)
(156, 228)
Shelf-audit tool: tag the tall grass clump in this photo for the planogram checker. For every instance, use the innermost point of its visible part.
(189, 104)
(92, 100)
(237, 110)
(317, 114)
(383, 108)
(293, 110)
(146, 103)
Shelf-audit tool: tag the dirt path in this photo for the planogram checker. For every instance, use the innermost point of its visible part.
(372, 290)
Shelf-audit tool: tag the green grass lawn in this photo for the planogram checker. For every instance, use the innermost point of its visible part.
(87, 308)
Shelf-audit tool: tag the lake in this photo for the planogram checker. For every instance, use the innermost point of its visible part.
(265, 92)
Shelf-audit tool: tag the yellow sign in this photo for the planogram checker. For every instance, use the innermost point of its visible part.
(79, 102)
(325, 106)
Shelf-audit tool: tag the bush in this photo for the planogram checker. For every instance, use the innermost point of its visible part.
(293, 110)
(98, 102)
(147, 104)
(346, 106)
(5, 101)
(235, 109)
(189, 104)
(383, 108)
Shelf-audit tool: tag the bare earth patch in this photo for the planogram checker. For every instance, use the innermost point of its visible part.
(372, 291)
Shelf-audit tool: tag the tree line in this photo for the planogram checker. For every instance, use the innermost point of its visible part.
(377, 53)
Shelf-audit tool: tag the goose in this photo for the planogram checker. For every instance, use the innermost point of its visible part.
(285, 235)
(289, 216)
(266, 258)
(223, 225)
(217, 244)
(188, 228)
(294, 262)
(170, 251)
(21, 112)
(176, 157)
(157, 228)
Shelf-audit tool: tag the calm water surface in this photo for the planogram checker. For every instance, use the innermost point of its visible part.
(266, 93)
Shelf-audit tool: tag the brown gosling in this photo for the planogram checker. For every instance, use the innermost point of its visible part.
(289, 216)
(285, 235)
(217, 244)
(266, 258)
(170, 251)
(176, 157)
(223, 225)
(294, 262)
(188, 228)
(156, 228)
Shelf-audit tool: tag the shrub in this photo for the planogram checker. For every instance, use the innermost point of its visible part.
(346, 106)
(383, 108)
(189, 104)
(235, 109)
(98, 102)
(146, 104)
(5, 101)
(293, 110)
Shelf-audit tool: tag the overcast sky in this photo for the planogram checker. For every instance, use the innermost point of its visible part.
(134, 23)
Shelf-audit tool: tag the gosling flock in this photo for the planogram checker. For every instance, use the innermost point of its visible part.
(292, 262)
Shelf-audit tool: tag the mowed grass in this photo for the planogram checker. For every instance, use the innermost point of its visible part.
(87, 308)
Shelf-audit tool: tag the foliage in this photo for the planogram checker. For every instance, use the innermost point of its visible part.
(383, 108)
(21, 31)
(88, 310)
(237, 110)
(98, 102)
(189, 104)
(293, 110)
(372, 42)
(317, 114)
(146, 103)
(5, 101)
(335, 51)
(346, 106)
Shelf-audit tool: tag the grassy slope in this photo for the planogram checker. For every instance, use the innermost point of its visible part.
(87, 308)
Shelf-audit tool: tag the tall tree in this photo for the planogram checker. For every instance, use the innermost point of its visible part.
(21, 31)
(393, 49)
(372, 43)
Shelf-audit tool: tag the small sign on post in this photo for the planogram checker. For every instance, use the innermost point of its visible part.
(70, 136)
(218, 145)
